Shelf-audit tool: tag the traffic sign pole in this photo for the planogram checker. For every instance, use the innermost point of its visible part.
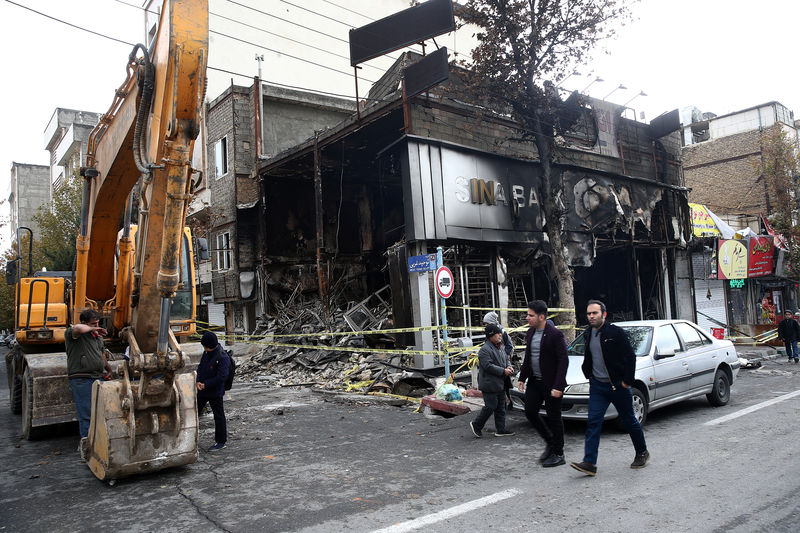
(440, 263)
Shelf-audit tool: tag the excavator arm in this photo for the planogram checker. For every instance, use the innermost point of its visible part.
(145, 140)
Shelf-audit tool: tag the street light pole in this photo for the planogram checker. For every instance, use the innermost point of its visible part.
(598, 78)
(620, 86)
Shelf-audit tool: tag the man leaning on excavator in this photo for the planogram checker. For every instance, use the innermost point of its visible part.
(86, 363)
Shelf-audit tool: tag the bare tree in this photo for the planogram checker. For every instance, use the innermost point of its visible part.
(523, 46)
(780, 169)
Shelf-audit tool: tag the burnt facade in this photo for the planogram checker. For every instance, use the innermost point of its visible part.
(347, 207)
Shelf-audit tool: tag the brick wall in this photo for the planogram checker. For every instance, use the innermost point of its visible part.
(723, 175)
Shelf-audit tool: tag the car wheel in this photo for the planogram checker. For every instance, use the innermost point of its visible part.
(721, 393)
(639, 408)
(28, 431)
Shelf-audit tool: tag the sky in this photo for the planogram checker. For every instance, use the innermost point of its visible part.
(717, 55)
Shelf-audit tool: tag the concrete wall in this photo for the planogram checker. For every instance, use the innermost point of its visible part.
(30, 190)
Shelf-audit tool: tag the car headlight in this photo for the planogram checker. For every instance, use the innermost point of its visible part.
(578, 388)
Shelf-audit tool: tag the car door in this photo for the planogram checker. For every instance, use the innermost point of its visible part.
(671, 372)
(701, 354)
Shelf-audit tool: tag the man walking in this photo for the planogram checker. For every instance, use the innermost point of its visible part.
(492, 318)
(86, 363)
(789, 333)
(544, 368)
(493, 367)
(211, 375)
(609, 364)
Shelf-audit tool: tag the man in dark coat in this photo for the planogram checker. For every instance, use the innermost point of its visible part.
(493, 367)
(789, 333)
(609, 364)
(211, 375)
(545, 369)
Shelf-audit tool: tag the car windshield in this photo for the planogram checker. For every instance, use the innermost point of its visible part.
(640, 337)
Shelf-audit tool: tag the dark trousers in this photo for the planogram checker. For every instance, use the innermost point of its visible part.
(600, 395)
(220, 424)
(493, 402)
(553, 430)
(791, 349)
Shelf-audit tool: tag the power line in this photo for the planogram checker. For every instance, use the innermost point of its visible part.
(71, 24)
(287, 38)
(348, 9)
(285, 54)
(318, 14)
(289, 21)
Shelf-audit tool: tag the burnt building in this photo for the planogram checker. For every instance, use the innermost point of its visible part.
(346, 208)
(245, 125)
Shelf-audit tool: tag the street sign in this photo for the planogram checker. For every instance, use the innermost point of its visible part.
(422, 263)
(444, 282)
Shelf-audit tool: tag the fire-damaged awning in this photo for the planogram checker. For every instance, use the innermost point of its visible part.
(455, 192)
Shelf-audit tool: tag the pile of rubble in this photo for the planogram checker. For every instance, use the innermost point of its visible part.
(315, 364)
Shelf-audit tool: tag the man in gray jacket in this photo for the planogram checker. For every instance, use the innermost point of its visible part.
(493, 367)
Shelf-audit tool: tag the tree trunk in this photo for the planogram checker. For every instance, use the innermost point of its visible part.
(555, 219)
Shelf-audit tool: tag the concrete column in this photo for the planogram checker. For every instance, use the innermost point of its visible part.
(421, 309)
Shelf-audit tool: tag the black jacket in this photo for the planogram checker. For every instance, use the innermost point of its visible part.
(617, 354)
(212, 372)
(553, 360)
(789, 330)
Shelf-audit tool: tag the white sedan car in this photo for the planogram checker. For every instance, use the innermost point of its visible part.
(675, 361)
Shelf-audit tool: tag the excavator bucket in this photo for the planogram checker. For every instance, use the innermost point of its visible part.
(129, 435)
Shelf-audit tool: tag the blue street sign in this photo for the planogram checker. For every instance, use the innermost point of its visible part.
(422, 263)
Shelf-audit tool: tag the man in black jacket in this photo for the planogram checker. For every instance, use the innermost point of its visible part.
(609, 364)
(211, 375)
(789, 333)
(545, 369)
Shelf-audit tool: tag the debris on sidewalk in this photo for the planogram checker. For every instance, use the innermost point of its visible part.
(305, 360)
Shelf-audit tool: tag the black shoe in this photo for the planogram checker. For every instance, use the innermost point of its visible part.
(548, 451)
(640, 460)
(587, 468)
(553, 460)
(217, 446)
(475, 431)
(504, 433)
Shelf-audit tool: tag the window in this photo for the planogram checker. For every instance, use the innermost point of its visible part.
(691, 337)
(224, 251)
(221, 157)
(667, 340)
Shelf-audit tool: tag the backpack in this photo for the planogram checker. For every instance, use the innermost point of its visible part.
(231, 370)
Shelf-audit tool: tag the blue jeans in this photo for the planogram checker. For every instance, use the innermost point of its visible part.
(82, 394)
(602, 394)
(791, 349)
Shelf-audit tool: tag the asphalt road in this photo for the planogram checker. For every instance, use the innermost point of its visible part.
(298, 462)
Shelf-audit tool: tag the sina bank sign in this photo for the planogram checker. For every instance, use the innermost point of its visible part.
(492, 192)
(497, 196)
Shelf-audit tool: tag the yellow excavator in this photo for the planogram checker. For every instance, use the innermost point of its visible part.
(139, 277)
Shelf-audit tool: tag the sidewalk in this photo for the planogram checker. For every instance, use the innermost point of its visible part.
(759, 352)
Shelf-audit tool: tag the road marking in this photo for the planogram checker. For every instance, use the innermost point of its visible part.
(752, 408)
(449, 513)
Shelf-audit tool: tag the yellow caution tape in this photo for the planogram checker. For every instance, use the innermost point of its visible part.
(520, 309)
(388, 395)
(358, 385)
(350, 371)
